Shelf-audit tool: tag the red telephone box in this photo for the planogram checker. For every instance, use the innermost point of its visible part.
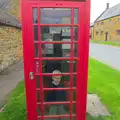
(56, 38)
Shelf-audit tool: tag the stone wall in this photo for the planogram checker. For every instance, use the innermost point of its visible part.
(10, 46)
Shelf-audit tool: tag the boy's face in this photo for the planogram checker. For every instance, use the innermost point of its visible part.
(56, 79)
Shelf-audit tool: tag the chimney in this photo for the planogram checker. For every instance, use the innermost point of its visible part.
(108, 5)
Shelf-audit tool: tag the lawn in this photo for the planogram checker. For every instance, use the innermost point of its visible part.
(107, 43)
(103, 80)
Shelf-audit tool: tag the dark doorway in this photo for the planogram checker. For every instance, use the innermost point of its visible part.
(106, 36)
(57, 47)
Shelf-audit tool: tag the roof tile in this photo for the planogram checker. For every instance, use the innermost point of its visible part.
(111, 12)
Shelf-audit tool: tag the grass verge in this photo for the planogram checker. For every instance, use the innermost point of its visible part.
(107, 43)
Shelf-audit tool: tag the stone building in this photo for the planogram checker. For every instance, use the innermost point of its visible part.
(10, 40)
(92, 31)
(107, 25)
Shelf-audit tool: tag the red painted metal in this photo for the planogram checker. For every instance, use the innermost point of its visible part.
(46, 89)
(54, 103)
(50, 74)
(57, 58)
(60, 0)
(71, 64)
(54, 42)
(58, 116)
(82, 58)
(56, 25)
(55, 4)
(85, 61)
(28, 53)
(41, 79)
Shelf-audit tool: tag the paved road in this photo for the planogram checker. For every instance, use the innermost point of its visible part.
(10, 79)
(108, 54)
(3, 3)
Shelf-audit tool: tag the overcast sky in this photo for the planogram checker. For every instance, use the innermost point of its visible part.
(98, 6)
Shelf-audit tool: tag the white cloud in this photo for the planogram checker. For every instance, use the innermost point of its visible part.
(98, 6)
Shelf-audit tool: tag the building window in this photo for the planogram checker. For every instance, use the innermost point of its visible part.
(97, 33)
(117, 32)
(97, 24)
(102, 23)
(101, 32)
(110, 21)
(119, 20)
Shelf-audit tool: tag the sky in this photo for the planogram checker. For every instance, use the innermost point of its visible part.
(98, 6)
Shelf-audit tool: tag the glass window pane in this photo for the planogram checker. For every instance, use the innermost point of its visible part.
(39, 110)
(38, 96)
(64, 81)
(48, 66)
(75, 16)
(37, 81)
(36, 52)
(58, 34)
(76, 33)
(56, 95)
(51, 65)
(35, 15)
(74, 80)
(74, 109)
(58, 109)
(56, 50)
(47, 49)
(75, 49)
(55, 16)
(62, 65)
(74, 95)
(49, 33)
(35, 33)
(74, 66)
(74, 118)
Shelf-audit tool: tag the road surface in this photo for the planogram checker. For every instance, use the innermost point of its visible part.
(107, 54)
(3, 3)
(8, 81)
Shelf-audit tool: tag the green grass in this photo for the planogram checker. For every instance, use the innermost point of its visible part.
(107, 43)
(103, 80)
(15, 109)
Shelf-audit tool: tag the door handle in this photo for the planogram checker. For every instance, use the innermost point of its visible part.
(31, 75)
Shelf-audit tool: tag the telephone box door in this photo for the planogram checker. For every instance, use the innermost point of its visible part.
(55, 59)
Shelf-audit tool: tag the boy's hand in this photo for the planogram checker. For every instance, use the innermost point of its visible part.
(47, 107)
(66, 84)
